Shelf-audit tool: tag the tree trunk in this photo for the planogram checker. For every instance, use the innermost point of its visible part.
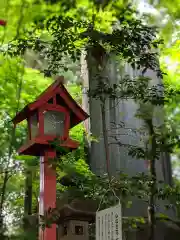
(28, 203)
(105, 136)
(3, 192)
(152, 200)
(28, 193)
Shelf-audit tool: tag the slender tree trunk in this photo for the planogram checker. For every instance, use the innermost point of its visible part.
(27, 203)
(153, 187)
(3, 192)
(105, 135)
(28, 193)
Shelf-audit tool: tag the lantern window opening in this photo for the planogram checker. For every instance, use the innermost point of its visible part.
(54, 123)
(34, 125)
(79, 230)
(65, 230)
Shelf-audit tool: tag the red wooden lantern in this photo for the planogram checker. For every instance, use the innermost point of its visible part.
(50, 116)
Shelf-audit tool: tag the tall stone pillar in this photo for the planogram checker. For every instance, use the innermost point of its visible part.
(122, 126)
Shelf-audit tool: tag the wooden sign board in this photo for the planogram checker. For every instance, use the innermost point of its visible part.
(109, 224)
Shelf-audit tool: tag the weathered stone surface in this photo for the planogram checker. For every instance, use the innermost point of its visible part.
(117, 112)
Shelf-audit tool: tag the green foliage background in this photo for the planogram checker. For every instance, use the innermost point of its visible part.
(21, 82)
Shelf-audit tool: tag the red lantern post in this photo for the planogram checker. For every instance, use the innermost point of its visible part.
(50, 117)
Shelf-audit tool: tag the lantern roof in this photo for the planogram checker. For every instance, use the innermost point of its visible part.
(77, 114)
(77, 209)
(69, 213)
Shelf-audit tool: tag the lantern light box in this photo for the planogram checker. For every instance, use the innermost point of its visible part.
(50, 117)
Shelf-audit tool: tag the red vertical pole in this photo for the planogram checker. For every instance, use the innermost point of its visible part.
(47, 193)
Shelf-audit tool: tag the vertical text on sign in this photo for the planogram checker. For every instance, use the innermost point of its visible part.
(109, 224)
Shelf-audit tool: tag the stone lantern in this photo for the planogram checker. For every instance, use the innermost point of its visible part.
(73, 223)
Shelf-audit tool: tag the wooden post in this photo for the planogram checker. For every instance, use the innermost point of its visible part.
(47, 193)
